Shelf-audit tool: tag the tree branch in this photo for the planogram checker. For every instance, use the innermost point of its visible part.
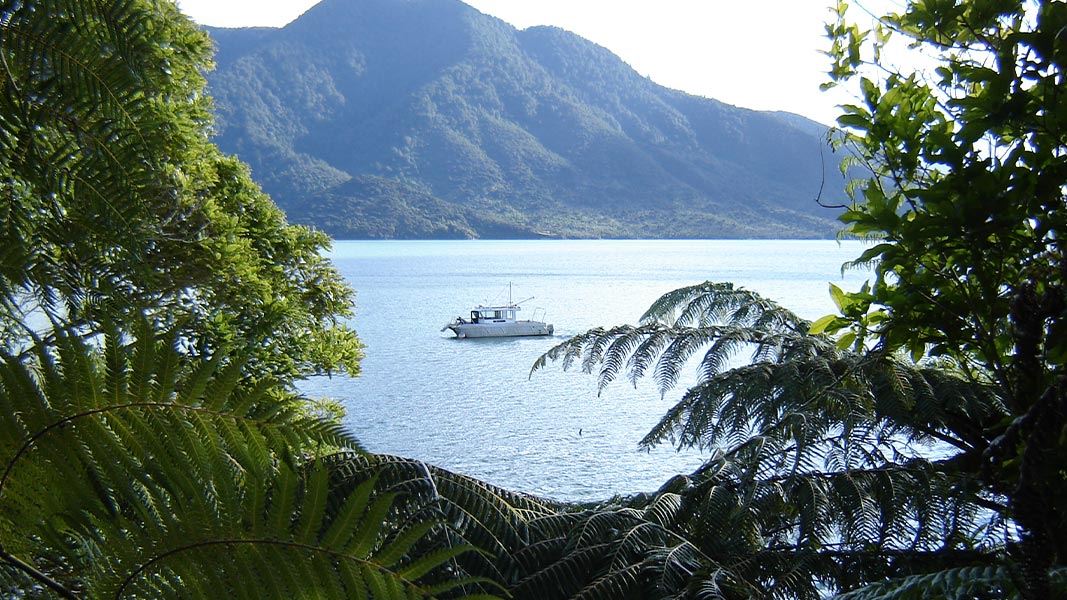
(37, 575)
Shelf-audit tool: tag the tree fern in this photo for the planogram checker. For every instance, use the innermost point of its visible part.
(711, 303)
(539, 548)
(181, 478)
(144, 466)
(965, 582)
(828, 468)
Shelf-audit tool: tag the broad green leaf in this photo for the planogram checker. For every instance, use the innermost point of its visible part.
(822, 324)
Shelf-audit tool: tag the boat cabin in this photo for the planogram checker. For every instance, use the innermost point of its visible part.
(493, 314)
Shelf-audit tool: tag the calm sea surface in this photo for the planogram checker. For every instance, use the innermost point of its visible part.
(471, 406)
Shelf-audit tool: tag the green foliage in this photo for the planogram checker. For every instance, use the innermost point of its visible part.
(427, 119)
(829, 469)
(133, 471)
(179, 464)
(543, 549)
(114, 202)
(967, 196)
(154, 308)
(967, 582)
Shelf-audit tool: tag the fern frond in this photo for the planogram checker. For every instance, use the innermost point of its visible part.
(671, 347)
(819, 475)
(187, 476)
(710, 303)
(965, 582)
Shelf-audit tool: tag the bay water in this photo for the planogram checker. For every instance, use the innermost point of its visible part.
(472, 405)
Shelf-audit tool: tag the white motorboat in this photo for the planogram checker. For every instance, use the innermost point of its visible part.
(497, 321)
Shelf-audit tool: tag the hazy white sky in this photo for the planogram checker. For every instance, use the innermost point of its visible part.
(761, 54)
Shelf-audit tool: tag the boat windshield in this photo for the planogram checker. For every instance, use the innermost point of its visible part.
(492, 314)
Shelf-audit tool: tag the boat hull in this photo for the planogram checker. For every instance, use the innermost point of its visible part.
(512, 329)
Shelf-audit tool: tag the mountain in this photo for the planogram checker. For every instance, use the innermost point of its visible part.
(429, 119)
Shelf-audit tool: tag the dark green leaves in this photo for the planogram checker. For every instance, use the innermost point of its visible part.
(967, 195)
(115, 203)
(130, 471)
(818, 474)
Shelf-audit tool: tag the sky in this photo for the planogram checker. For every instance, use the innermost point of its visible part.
(759, 54)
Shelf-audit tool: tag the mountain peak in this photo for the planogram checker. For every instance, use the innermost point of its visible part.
(336, 15)
(426, 118)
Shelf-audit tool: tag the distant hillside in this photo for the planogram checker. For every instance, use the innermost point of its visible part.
(428, 119)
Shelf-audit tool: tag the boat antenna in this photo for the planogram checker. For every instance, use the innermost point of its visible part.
(495, 298)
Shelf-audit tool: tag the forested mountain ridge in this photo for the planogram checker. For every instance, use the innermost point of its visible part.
(428, 119)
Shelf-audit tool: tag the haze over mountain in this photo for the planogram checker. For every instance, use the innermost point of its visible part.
(429, 119)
